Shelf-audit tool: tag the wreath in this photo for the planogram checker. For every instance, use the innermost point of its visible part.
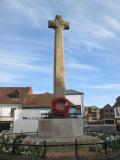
(56, 110)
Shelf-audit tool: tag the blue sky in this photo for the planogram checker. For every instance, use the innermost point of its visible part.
(92, 46)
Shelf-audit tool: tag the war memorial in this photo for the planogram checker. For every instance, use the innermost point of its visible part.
(59, 123)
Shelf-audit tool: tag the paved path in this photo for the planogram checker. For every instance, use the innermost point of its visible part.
(82, 139)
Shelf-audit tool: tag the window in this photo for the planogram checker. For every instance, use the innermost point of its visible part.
(12, 111)
(109, 121)
(94, 118)
(106, 110)
(14, 94)
(78, 109)
(106, 116)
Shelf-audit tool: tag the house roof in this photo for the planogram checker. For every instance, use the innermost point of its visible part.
(73, 92)
(118, 98)
(107, 106)
(27, 98)
(117, 103)
(6, 92)
(39, 100)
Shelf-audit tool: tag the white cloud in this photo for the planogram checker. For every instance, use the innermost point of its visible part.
(112, 23)
(7, 77)
(24, 64)
(11, 55)
(101, 32)
(35, 11)
(103, 86)
(81, 66)
(17, 39)
(78, 78)
(73, 64)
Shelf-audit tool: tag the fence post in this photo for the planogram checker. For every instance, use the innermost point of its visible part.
(44, 149)
(13, 148)
(105, 145)
(114, 134)
(76, 153)
(3, 137)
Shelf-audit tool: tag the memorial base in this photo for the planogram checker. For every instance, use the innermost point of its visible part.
(60, 128)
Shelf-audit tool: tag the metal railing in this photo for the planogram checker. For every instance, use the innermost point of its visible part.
(45, 149)
(69, 115)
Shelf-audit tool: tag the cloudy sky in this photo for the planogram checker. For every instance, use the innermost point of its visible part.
(92, 46)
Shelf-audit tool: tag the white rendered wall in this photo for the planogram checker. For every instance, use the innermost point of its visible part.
(5, 109)
(77, 100)
(26, 120)
(117, 112)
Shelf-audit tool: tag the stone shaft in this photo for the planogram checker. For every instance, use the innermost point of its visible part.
(59, 25)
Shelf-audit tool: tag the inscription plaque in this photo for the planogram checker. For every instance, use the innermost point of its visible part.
(68, 127)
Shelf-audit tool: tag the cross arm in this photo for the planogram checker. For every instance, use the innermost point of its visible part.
(65, 25)
(51, 24)
(58, 22)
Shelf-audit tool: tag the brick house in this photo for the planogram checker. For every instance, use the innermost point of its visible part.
(92, 115)
(11, 98)
(107, 115)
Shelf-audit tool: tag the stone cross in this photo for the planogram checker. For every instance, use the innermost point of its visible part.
(59, 25)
